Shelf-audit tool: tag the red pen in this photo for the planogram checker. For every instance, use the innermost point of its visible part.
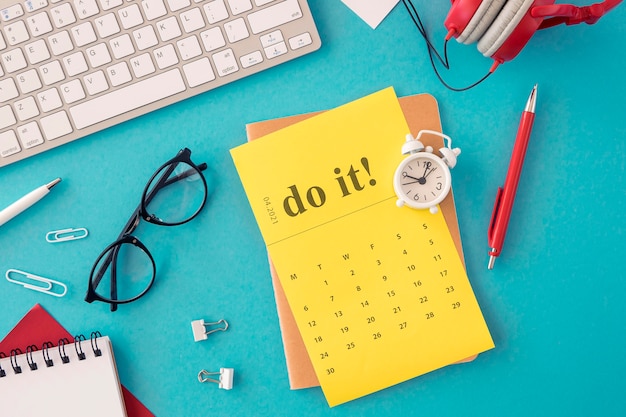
(505, 196)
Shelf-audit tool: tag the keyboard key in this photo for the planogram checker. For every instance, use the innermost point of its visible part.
(37, 51)
(75, 63)
(13, 60)
(239, 6)
(30, 135)
(98, 55)
(86, 8)
(8, 90)
(72, 91)
(251, 59)
(122, 46)
(51, 72)
(7, 118)
(119, 74)
(63, 15)
(110, 4)
(39, 24)
(130, 16)
(11, 12)
(236, 30)
(49, 100)
(225, 62)
(26, 108)
(274, 16)
(178, 4)
(28, 81)
(145, 38)
(142, 65)
(128, 98)
(189, 48)
(107, 25)
(56, 125)
(32, 5)
(16, 32)
(198, 72)
(300, 41)
(168, 29)
(60, 43)
(192, 20)
(271, 38)
(276, 50)
(95, 82)
(165, 56)
(83, 34)
(9, 144)
(212, 39)
(153, 9)
(215, 11)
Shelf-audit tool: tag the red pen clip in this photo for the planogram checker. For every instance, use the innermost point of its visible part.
(492, 223)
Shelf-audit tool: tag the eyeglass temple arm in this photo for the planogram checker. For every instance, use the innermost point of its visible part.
(111, 258)
(115, 252)
(130, 226)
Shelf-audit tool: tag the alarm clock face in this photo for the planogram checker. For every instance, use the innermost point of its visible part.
(422, 180)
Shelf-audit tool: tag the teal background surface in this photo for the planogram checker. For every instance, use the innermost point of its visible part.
(554, 301)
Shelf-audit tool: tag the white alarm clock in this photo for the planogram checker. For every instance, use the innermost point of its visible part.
(423, 180)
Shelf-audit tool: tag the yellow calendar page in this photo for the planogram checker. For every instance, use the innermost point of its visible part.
(378, 292)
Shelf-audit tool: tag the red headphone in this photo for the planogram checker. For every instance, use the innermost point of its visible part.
(503, 27)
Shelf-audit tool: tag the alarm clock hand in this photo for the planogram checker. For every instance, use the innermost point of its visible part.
(429, 172)
(413, 178)
(426, 173)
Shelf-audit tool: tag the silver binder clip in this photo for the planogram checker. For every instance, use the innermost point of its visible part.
(30, 281)
(64, 235)
(199, 328)
(225, 380)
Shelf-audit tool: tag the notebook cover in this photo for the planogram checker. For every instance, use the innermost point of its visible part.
(421, 112)
(37, 327)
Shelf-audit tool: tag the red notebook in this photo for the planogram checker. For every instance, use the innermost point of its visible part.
(37, 327)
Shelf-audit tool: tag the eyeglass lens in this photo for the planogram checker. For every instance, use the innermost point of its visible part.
(133, 272)
(175, 194)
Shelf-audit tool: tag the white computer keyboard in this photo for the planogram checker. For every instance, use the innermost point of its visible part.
(69, 68)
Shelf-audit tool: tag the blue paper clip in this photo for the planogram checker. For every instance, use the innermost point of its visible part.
(66, 234)
(50, 286)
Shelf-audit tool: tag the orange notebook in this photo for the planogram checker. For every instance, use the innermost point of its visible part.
(421, 112)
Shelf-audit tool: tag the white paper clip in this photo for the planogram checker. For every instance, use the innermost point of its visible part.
(50, 287)
(225, 380)
(64, 235)
(199, 328)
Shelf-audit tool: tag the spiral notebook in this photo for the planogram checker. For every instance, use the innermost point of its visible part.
(70, 378)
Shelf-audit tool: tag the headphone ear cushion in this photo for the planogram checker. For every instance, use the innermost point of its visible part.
(502, 27)
(481, 20)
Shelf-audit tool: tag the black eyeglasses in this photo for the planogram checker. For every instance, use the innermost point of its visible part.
(174, 195)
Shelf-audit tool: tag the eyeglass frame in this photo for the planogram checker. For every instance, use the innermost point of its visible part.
(141, 212)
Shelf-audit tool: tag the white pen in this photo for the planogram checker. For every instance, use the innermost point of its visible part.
(26, 201)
